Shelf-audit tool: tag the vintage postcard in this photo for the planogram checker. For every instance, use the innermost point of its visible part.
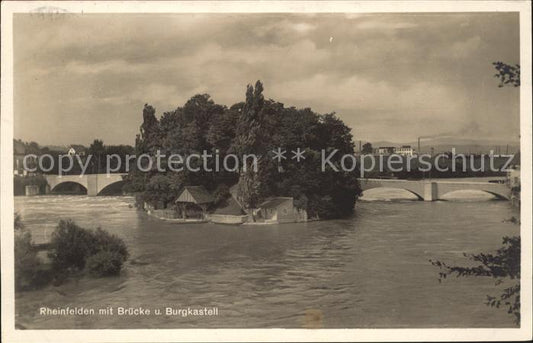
(266, 171)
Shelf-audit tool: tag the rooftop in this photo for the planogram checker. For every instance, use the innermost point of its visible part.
(198, 193)
(274, 202)
(231, 207)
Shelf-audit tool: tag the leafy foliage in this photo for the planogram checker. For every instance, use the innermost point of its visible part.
(221, 194)
(508, 74)
(255, 126)
(504, 264)
(28, 266)
(72, 246)
(104, 241)
(18, 224)
(105, 263)
(367, 148)
(250, 139)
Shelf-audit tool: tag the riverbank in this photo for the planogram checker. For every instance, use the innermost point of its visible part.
(276, 210)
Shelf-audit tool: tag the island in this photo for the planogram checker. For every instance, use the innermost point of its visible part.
(283, 182)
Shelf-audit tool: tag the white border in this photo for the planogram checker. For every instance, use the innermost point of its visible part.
(9, 334)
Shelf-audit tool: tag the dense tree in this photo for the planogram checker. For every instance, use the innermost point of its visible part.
(256, 126)
(221, 133)
(97, 148)
(249, 139)
(27, 263)
(148, 141)
(367, 149)
(248, 136)
(32, 148)
(150, 130)
(97, 151)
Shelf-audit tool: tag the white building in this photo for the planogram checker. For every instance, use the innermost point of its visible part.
(77, 150)
(513, 177)
(405, 150)
(71, 151)
(386, 150)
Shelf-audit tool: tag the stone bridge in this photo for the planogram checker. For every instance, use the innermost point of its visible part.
(93, 183)
(430, 190)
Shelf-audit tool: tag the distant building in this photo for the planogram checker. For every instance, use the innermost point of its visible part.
(513, 180)
(513, 177)
(19, 150)
(386, 150)
(76, 149)
(405, 150)
(31, 190)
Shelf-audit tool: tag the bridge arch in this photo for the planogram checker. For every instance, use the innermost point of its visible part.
(410, 191)
(431, 190)
(414, 187)
(414, 193)
(103, 181)
(496, 194)
(110, 187)
(58, 186)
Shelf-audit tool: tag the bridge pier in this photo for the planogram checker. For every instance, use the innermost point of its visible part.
(92, 185)
(431, 191)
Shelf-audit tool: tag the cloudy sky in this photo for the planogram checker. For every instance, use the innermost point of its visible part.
(390, 77)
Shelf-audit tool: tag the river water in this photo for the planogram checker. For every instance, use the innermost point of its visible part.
(371, 270)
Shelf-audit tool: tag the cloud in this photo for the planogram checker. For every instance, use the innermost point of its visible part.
(382, 72)
(466, 48)
(380, 25)
(303, 27)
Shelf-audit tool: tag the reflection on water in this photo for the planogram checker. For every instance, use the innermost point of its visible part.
(371, 270)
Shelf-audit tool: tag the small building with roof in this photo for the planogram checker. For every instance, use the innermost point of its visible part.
(280, 210)
(193, 202)
(405, 150)
(77, 150)
(229, 212)
(386, 150)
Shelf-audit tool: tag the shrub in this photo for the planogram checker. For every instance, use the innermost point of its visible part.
(104, 241)
(73, 247)
(27, 264)
(104, 263)
(18, 223)
(30, 272)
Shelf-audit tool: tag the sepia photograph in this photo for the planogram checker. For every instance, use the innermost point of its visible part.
(266, 165)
